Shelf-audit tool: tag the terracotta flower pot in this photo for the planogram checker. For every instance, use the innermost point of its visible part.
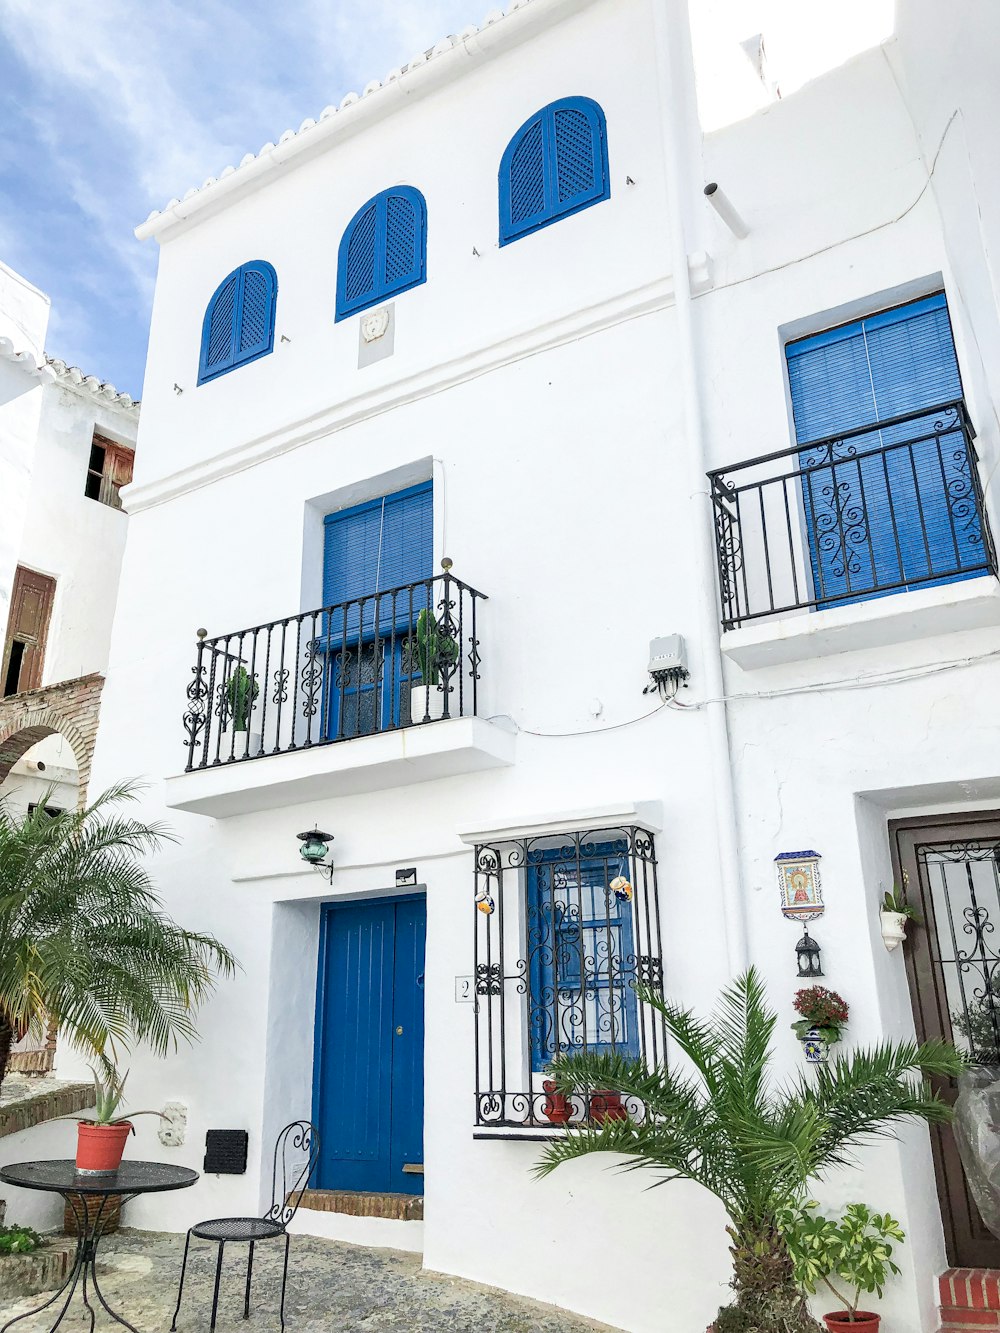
(864, 1321)
(99, 1148)
(606, 1105)
(556, 1107)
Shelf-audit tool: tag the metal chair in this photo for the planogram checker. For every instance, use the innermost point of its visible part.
(295, 1155)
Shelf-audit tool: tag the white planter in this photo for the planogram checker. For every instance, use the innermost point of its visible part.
(236, 745)
(893, 929)
(426, 703)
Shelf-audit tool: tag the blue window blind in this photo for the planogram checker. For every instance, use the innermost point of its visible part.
(582, 983)
(555, 165)
(239, 321)
(368, 550)
(882, 520)
(383, 251)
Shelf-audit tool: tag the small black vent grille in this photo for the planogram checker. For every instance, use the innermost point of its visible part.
(226, 1152)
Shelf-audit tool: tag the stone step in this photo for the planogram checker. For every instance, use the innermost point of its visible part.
(970, 1299)
(358, 1203)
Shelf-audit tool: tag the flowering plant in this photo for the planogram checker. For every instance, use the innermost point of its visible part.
(822, 1009)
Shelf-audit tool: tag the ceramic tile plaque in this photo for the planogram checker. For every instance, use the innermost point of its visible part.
(799, 885)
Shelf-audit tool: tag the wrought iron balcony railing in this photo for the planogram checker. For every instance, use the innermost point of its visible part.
(404, 657)
(884, 508)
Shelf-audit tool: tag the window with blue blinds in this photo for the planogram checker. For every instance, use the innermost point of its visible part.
(383, 251)
(876, 507)
(239, 321)
(555, 165)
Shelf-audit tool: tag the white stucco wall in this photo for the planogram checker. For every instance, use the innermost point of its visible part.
(540, 384)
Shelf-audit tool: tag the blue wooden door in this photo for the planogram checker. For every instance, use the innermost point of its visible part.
(369, 1062)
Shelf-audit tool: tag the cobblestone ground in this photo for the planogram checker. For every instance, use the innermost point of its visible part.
(331, 1287)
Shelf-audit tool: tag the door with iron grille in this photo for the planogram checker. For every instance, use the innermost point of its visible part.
(951, 872)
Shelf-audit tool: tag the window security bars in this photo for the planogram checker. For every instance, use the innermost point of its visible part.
(880, 509)
(398, 658)
(567, 931)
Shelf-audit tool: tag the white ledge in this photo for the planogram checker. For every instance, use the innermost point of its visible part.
(369, 763)
(898, 618)
(647, 815)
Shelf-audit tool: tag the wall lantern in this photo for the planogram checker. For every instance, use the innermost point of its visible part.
(314, 850)
(807, 952)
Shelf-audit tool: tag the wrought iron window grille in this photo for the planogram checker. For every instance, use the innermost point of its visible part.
(890, 506)
(401, 657)
(567, 935)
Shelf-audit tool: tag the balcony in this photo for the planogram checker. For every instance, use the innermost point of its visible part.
(372, 693)
(805, 535)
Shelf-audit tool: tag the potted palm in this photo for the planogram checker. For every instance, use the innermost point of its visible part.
(823, 1014)
(101, 1139)
(436, 655)
(84, 942)
(894, 914)
(720, 1119)
(848, 1255)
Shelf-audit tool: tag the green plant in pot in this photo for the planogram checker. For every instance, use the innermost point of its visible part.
(436, 653)
(101, 1139)
(718, 1116)
(241, 695)
(823, 1015)
(894, 913)
(848, 1255)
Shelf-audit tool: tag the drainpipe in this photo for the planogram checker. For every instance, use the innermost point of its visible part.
(681, 146)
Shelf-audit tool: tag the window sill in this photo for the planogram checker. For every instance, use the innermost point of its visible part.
(523, 1133)
(923, 613)
(369, 763)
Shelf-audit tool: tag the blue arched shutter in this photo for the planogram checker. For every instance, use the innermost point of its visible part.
(239, 321)
(555, 165)
(383, 251)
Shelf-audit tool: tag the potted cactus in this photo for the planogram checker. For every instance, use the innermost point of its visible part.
(436, 654)
(240, 693)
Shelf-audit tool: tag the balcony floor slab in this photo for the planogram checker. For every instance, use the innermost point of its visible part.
(368, 763)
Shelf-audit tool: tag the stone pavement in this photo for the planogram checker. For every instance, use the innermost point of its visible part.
(332, 1288)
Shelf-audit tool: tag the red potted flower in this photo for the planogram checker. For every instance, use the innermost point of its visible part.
(100, 1142)
(823, 1014)
(847, 1255)
(556, 1107)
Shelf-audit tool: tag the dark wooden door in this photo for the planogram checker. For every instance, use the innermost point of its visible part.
(27, 629)
(951, 871)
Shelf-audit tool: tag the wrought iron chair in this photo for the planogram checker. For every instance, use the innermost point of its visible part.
(295, 1155)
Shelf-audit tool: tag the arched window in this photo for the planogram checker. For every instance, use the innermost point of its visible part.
(556, 164)
(383, 251)
(239, 321)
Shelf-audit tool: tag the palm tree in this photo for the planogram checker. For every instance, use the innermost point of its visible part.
(83, 940)
(723, 1123)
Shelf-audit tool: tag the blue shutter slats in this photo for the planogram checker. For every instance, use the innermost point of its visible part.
(383, 251)
(892, 506)
(555, 165)
(239, 321)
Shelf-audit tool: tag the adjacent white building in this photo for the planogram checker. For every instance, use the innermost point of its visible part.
(456, 399)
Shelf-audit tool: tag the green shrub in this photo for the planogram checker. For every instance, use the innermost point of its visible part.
(19, 1240)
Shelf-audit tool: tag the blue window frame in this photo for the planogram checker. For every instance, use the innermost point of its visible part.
(383, 251)
(877, 519)
(583, 962)
(239, 321)
(555, 165)
(368, 550)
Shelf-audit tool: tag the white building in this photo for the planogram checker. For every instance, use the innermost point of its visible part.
(67, 443)
(366, 361)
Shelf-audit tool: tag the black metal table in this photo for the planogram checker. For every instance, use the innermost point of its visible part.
(62, 1177)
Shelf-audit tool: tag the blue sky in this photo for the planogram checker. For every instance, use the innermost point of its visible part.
(111, 107)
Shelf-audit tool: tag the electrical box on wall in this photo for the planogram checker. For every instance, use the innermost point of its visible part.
(667, 665)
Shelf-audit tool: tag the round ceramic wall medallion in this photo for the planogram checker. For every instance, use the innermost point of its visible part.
(374, 325)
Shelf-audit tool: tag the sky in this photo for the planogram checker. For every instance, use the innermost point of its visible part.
(112, 107)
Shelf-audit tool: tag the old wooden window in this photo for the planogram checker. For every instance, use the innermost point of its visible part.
(27, 630)
(109, 469)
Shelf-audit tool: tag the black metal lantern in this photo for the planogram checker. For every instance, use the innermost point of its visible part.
(807, 953)
(314, 850)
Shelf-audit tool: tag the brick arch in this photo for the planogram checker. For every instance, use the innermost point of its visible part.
(69, 708)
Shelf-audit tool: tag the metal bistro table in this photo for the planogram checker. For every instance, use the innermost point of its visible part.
(62, 1177)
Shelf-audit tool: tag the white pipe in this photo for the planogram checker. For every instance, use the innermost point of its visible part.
(723, 205)
(679, 120)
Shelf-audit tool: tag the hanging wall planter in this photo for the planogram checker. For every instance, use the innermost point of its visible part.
(894, 914)
(823, 1014)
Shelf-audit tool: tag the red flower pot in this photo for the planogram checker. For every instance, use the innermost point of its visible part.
(99, 1148)
(606, 1105)
(556, 1107)
(864, 1321)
